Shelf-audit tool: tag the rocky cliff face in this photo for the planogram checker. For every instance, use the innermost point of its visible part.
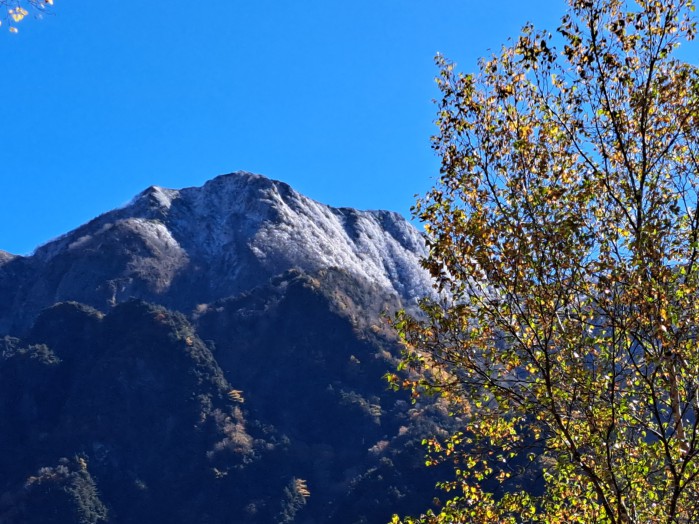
(181, 248)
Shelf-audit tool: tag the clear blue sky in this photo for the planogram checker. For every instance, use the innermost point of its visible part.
(103, 99)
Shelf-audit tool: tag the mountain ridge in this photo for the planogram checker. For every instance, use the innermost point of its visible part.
(199, 244)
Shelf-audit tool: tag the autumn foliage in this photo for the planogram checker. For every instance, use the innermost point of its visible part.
(563, 234)
(16, 10)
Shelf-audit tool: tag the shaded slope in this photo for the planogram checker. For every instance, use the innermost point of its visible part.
(281, 416)
(137, 399)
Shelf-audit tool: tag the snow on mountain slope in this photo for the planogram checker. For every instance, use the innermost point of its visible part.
(199, 244)
(283, 228)
(5, 256)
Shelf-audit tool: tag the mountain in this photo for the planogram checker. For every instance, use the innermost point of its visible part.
(212, 355)
(181, 248)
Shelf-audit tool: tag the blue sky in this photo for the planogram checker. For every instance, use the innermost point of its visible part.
(103, 99)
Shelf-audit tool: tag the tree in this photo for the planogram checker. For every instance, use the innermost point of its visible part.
(563, 235)
(17, 10)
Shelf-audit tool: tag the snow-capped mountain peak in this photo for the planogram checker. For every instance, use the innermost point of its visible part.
(198, 244)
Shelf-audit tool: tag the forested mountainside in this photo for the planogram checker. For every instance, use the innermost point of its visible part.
(261, 400)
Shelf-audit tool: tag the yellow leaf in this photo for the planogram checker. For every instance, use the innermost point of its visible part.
(236, 395)
(18, 14)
